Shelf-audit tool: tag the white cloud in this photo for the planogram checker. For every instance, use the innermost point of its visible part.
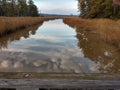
(57, 6)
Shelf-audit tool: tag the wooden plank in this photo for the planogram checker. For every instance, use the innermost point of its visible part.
(35, 84)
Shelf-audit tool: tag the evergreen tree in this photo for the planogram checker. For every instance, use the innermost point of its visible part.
(32, 8)
(18, 8)
(22, 7)
(1, 9)
(3, 6)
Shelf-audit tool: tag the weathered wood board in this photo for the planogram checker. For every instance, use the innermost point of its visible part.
(58, 84)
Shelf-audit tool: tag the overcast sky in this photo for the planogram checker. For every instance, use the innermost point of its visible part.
(57, 6)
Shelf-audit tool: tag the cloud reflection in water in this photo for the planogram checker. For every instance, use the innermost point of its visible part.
(53, 48)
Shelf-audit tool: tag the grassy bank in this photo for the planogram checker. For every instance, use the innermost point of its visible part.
(17, 35)
(11, 24)
(109, 30)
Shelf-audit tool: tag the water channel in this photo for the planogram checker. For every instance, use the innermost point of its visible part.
(54, 47)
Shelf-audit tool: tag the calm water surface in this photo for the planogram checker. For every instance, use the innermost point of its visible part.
(55, 47)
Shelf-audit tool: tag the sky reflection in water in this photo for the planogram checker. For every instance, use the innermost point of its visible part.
(52, 48)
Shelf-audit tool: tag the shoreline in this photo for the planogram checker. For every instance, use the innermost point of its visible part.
(12, 24)
(107, 29)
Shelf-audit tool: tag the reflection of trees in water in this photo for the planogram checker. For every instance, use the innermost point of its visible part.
(4, 40)
(102, 53)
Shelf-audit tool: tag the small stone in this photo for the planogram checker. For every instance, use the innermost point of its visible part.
(106, 53)
(27, 75)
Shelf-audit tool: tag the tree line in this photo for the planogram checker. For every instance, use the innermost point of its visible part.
(18, 8)
(99, 8)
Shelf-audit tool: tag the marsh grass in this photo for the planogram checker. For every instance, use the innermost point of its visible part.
(109, 30)
(17, 35)
(11, 24)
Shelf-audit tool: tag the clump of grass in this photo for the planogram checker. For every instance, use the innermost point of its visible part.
(108, 29)
(10, 24)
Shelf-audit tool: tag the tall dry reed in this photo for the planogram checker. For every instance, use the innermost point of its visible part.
(10, 24)
(108, 29)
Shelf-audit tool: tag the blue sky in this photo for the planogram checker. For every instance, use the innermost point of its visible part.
(57, 6)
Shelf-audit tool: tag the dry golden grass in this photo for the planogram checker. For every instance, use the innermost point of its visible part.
(10, 24)
(109, 30)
